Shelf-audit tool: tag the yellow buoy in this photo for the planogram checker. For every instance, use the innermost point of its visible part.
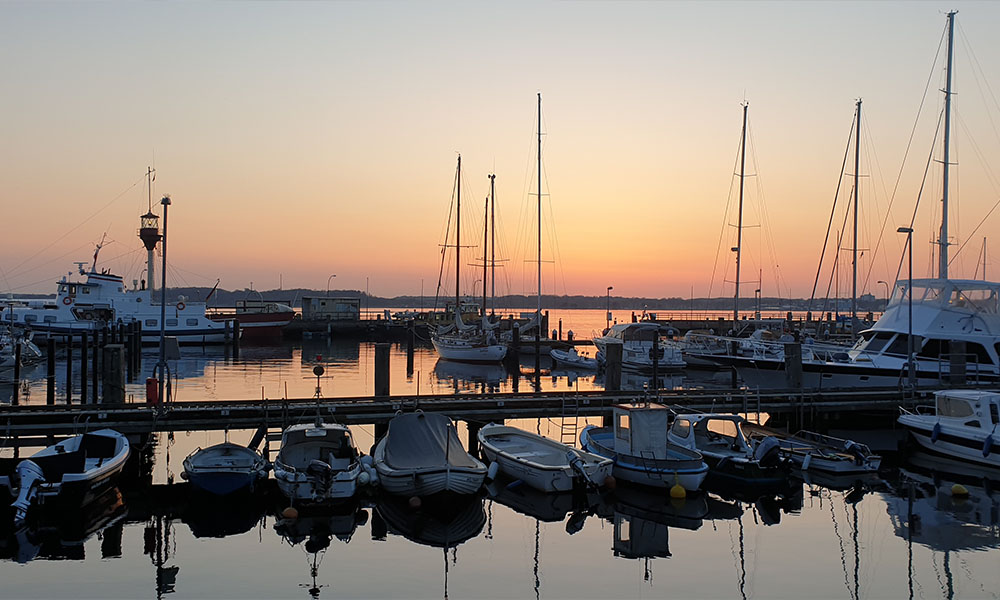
(290, 513)
(959, 491)
(678, 491)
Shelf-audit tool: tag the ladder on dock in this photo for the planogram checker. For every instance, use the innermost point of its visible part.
(569, 421)
(270, 437)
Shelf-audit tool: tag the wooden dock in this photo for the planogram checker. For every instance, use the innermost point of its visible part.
(47, 420)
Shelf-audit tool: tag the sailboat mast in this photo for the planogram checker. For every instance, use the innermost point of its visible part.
(943, 240)
(486, 216)
(538, 316)
(493, 241)
(458, 231)
(854, 256)
(739, 226)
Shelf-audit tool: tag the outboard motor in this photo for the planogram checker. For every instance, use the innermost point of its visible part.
(30, 475)
(321, 474)
(576, 462)
(768, 452)
(854, 450)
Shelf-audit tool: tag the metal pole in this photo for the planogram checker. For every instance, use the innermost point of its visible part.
(911, 374)
(739, 226)
(854, 256)
(943, 240)
(161, 365)
(538, 316)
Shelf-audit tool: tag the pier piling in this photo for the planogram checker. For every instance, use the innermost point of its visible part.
(50, 371)
(473, 445)
(17, 374)
(69, 369)
(382, 369)
(409, 348)
(793, 365)
(236, 339)
(114, 374)
(84, 349)
(95, 367)
(613, 367)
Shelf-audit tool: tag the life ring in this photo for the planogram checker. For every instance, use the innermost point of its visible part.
(67, 301)
(180, 306)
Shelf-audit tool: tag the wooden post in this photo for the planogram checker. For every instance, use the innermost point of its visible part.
(50, 370)
(957, 367)
(515, 339)
(613, 367)
(473, 444)
(69, 369)
(381, 369)
(84, 348)
(793, 365)
(409, 348)
(114, 374)
(95, 368)
(14, 400)
(138, 348)
(236, 339)
(560, 329)
(130, 351)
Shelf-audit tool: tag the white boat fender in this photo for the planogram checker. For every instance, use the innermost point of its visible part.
(364, 478)
(513, 485)
(29, 475)
(988, 445)
(491, 473)
(935, 433)
(767, 452)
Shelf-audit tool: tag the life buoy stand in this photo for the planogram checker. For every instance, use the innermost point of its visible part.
(180, 306)
(67, 301)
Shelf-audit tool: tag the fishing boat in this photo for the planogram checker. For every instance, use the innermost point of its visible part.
(570, 359)
(421, 455)
(224, 468)
(638, 445)
(258, 319)
(962, 424)
(458, 341)
(641, 346)
(70, 473)
(811, 451)
(318, 462)
(731, 458)
(539, 462)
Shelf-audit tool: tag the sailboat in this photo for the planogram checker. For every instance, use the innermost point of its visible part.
(459, 341)
(954, 322)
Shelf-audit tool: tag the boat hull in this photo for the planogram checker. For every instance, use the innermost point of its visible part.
(492, 353)
(429, 481)
(560, 477)
(948, 443)
(658, 473)
(299, 487)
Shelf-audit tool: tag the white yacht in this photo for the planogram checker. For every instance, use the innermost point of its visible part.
(637, 346)
(962, 424)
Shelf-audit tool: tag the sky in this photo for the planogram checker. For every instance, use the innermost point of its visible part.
(303, 140)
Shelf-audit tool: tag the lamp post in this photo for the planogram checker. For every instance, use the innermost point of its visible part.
(328, 279)
(886, 284)
(610, 287)
(756, 294)
(911, 373)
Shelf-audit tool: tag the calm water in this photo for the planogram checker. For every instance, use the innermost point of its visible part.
(902, 535)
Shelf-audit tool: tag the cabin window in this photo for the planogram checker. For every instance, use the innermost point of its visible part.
(681, 428)
(149, 323)
(722, 427)
(30, 318)
(972, 423)
(85, 290)
(898, 345)
(953, 407)
(877, 341)
(192, 322)
(62, 289)
(931, 349)
(72, 290)
(994, 413)
(979, 351)
(621, 427)
(49, 319)
(171, 322)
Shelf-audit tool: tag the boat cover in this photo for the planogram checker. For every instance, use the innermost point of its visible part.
(424, 440)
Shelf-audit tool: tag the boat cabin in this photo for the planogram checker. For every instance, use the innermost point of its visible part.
(714, 433)
(634, 332)
(972, 408)
(326, 442)
(641, 429)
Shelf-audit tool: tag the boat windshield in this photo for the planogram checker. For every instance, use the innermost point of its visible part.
(958, 408)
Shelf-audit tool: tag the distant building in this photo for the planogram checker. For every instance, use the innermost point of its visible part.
(331, 309)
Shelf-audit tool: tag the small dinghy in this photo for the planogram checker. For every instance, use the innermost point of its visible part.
(544, 464)
(638, 445)
(318, 462)
(572, 360)
(811, 451)
(224, 468)
(421, 455)
(73, 472)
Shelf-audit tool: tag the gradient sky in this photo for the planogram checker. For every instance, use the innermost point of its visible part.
(302, 140)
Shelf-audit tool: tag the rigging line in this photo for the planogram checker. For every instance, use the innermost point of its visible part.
(873, 156)
(81, 223)
(833, 210)
(920, 192)
(444, 246)
(975, 63)
(764, 215)
(971, 235)
(725, 220)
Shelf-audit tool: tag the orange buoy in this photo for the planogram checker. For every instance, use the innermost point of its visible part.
(290, 513)
(414, 502)
(609, 482)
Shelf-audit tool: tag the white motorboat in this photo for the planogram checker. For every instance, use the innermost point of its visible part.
(70, 473)
(731, 458)
(571, 359)
(640, 449)
(811, 451)
(318, 462)
(224, 468)
(637, 341)
(421, 455)
(539, 462)
(962, 424)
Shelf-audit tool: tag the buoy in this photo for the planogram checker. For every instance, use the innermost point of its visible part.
(363, 478)
(959, 491)
(935, 433)
(290, 513)
(678, 491)
(987, 445)
(414, 502)
(609, 482)
(491, 473)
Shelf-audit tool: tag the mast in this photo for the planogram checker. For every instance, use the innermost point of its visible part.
(486, 216)
(538, 314)
(458, 232)
(943, 239)
(854, 250)
(739, 226)
(493, 241)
